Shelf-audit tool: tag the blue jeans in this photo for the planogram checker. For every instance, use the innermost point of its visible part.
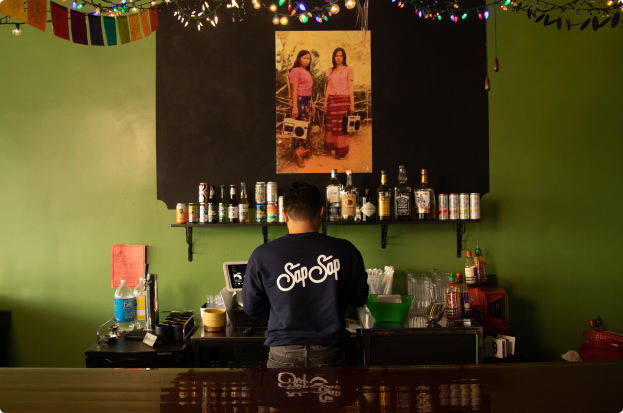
(306, 355)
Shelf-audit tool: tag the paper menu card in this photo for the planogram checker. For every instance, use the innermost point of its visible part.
(128, 263)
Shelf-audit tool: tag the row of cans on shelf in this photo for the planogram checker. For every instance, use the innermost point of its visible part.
(459, 206)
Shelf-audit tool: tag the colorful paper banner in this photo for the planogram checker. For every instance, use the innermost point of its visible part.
(38, 13)
(145, 22)
(78, 27)
(13, 8)
(111, 31)
(95, 30)
(135, 27)
(59, 20)
(153, 18)
(123, 29)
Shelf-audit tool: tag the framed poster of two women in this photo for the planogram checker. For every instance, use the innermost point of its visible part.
(324, 101)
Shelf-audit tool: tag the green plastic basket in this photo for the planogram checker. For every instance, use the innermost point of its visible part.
(394, 312)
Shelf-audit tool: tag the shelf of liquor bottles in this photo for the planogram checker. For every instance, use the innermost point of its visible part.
(460, 229)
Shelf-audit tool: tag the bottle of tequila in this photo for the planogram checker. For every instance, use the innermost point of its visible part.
(243, 205)
(350, 198)
(223, 207)
(402, 197)
(233, 206)
(368, 209)
(334, 187)
(384, 195)
(424, 200)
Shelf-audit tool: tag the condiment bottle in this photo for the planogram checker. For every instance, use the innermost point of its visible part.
(454, 307)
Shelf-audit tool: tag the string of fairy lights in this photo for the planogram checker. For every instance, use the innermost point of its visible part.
(281, 11)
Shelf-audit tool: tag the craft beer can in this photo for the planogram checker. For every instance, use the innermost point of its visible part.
(453, 206)
(463, 206)
(260, 213)
(181, 213)
(474, 205)
(193, 214)
(443, 206)
(282, 218)
(272, 212)
(204, 193)
(203, 213)
(271, 192)
(260, 192)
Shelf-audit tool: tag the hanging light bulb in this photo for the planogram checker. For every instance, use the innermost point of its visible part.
(302, 6)
(153, 3)
(284, 21)
(486, 14)
(464, 16)
(319, 19)
(257, 5)
(134, 10)
(17, 31)
(350, 4)
(273, 7)
(80, 6)
(303, 18)
(74, 5)
(276, 20)
(335, 9)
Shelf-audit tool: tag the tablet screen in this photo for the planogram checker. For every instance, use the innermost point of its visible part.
(236, 274)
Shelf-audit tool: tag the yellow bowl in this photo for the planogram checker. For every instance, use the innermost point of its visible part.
(214, 319)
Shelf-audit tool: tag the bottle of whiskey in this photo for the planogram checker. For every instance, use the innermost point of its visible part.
(222, 208)
(402, 197)
(350, 197)
(334, 187)
(368, 209)
(384, 195)
(424, 200)
(233, 206)
(243, 205)
(212, 207)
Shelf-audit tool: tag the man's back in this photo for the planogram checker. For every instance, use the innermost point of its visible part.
(304, 282)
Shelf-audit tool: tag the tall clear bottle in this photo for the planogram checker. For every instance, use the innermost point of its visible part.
(124, 307)
(233, 206)
(223, 207)
(471, 269)
(243, 205)
(350, 198)
(384, 198)
(333, 192)
(139, 299)
(424, 199)
(403, 206)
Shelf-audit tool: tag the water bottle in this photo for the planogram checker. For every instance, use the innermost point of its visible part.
(124, 307)
(139, 296)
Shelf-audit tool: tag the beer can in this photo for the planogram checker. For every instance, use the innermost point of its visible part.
(260, 213)
(181, 213)
(463, 206)
(271, 192)
(260, 193)
(282, 218)
(204, 193)
(272, 212)
(474, 205)
(203, 213)
(443, 206)
(453, 206)
(193, 216)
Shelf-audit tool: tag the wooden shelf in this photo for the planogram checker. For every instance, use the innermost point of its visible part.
(460, 229)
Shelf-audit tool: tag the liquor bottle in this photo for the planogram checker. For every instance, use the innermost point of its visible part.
(139, 300)
(464, 293)
(402, 197)
(482, 266)
(599, 324)
(368, 209)
(243, 205)
(223, 208)
(212, 207)
(384, 195)
(124, 307)
(233, 206)
(470, 269)
(334, 187)
(424, 200)
(454, 309)
(350, 198)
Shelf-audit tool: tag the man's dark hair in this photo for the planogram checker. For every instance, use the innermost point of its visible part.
(302, 201)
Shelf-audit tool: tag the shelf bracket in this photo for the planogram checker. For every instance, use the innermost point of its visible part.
(324, 230)
(460, 230)
(265, 233)
(189, 241)
(384, 235)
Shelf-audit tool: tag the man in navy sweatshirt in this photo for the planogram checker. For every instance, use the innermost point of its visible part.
(303, 282)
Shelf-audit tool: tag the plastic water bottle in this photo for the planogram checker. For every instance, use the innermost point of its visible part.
(139, 296)
(124, 307)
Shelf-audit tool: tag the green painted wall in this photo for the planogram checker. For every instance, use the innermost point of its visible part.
(78, 174)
